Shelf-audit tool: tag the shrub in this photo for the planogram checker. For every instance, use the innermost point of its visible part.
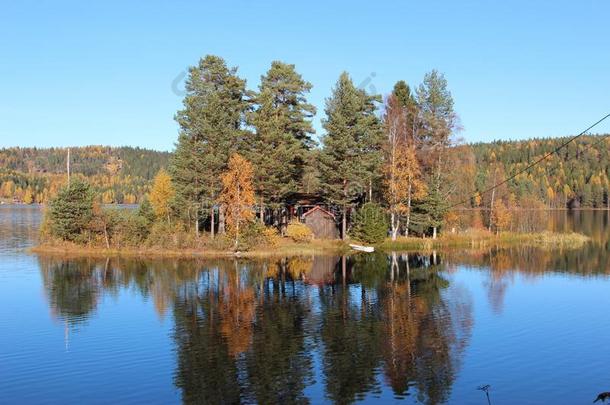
(71, 211)
(299, 232)
(163, 235)
(251, 235)
(271, 236)
(370, 224)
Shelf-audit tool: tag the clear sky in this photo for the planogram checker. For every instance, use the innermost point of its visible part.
(79, 73)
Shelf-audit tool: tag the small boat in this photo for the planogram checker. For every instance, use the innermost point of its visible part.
(361, 248)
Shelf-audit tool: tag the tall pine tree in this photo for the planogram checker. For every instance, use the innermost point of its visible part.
(282, 139)
(438, 123)
(352, 145)
(210, 131)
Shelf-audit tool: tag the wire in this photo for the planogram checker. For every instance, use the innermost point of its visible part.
(531, 165)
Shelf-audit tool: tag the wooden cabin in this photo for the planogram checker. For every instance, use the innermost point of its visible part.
(321, 222)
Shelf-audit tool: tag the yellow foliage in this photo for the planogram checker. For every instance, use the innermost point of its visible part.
(299, 232)
(161, 194)
(28, 197)
(403, 176)
(237, 194)
(501, 217)
(272, 236)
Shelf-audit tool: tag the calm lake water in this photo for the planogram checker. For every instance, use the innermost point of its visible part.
(409, 328)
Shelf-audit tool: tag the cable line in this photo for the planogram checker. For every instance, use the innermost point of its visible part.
(557, 149)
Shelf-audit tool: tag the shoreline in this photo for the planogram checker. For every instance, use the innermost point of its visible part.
(475, 240)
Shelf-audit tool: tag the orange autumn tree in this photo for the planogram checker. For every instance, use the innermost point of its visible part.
(501, 216)
(237, 195)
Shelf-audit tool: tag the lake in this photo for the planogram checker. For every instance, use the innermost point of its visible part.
(409, 328)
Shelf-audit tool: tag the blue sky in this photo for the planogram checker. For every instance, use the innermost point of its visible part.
(78, 73)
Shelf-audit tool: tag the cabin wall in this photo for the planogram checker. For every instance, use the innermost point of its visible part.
(322, 226)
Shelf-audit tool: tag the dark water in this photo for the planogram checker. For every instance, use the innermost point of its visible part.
(417, 328)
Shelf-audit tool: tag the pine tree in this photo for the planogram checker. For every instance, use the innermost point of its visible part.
(439, 123)
(352, 136)
(282, 122)
(211, 130)
(71, 211)
(370, 224)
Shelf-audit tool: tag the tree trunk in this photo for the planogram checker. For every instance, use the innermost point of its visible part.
(197, 227)
(262, 213)
(106, 237)
(408, 221)
(344, 223)
(221, 220)
(212, 221)
(434, 232)
(395, 220)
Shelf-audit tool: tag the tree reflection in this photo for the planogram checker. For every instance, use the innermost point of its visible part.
(72, 288)
(248, 331)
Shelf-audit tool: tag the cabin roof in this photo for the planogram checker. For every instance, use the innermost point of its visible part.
(316, 208)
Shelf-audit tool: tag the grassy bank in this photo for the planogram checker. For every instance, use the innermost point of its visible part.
(286, 247)
(479, 239)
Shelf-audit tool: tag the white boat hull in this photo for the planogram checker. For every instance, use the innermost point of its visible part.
(368, 249)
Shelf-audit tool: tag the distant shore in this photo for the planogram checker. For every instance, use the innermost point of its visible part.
(467, 240)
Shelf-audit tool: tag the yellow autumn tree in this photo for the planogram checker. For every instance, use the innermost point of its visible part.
(237, 195)
(28, 196)
(501, 216)
(402, 178)
(161, 194)
(402, 173)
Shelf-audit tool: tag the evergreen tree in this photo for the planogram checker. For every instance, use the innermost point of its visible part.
(211, 130)
(370, 224)
(439, 123)
(282, 139)
(429, 213)
(351, 145)
(70, 212)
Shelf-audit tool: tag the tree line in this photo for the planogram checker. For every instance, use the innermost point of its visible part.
(120, 175)
(390, 165)
(395, 151)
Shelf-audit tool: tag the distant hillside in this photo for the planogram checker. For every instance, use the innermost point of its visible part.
(120, 174)
(579, 173)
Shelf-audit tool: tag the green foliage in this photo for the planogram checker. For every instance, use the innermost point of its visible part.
(299, 232)
(211, 131)
(120, 175)
(279, 148)
(429, 213)
(370, 224)
(351, 155)
(580, 171)
(145, 211)
(252, 234)
(70, 211)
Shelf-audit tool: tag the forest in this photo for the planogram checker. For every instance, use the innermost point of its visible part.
(120, 175)
(392, 165)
